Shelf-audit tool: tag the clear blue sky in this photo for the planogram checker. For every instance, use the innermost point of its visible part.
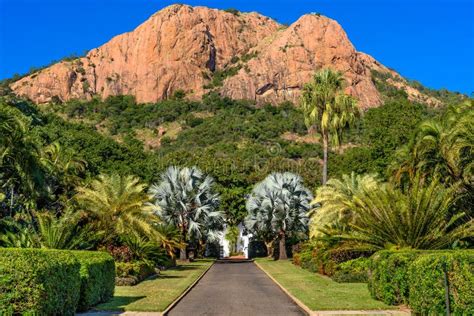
(430, 41)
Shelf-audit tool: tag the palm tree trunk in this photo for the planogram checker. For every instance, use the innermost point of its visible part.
(182, 252)
(325, 157)
(269, 245)
(283, 255)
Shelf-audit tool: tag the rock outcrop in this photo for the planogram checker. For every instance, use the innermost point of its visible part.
(186, 48)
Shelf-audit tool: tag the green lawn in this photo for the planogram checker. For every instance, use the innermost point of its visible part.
(156, 294)
(319, 292)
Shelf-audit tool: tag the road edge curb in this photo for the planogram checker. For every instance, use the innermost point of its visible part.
(186, 291)
(291, 296)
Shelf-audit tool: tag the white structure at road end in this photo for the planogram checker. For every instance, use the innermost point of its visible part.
(242, 245)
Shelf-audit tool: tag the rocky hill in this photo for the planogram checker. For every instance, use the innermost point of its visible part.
(197, 50)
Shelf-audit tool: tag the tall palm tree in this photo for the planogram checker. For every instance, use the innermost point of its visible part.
(327, 110)
(334, 202)
(118, 204)
(186, 199)
(420, 218)
(277, 207)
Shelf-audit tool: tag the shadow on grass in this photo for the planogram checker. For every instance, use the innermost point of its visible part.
(117, 303)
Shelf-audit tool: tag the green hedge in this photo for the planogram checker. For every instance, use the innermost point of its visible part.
(44, 282)
(388, 276)
(427, 290)
(352, 271)
(416, 278)
(97, 278)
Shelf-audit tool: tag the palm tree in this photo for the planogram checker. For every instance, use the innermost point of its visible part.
(186, 199)
(420, 218)
(277, 208)
(442, 146)
(334, 202)
(20, 170)
(170, 240)
(327, 110)
(119, 205)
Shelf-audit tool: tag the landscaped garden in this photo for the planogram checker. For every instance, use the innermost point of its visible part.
(90, 217)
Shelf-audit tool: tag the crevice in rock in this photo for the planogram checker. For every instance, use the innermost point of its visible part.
(211, 63)
(264, 88)
(70, 81)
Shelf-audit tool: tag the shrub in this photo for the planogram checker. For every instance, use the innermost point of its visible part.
(97, 278)
(427, 290)
(352, 271)
(388, 276)
(131, 273)
(38, 281)
(417, 278)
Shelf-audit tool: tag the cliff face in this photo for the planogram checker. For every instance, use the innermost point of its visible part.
(186, 48)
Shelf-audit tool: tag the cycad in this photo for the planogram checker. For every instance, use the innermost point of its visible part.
(65, 232)
(420, 218)
(334, 202)
(119, 205)
(327, 109)
(186, 199)
(277, 208)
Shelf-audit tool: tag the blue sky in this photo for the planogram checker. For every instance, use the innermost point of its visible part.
(430, 41)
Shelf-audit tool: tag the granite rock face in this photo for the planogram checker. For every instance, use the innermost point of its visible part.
(185, 48)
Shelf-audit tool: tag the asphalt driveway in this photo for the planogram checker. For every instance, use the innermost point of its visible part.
(236, 289)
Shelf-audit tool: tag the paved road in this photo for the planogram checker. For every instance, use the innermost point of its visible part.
(236, 289)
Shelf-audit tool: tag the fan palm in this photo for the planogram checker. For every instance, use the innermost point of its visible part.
(327, 109)
(421, 218)
(277, 208)
(119, 205)
(186, 199)
(334, 201)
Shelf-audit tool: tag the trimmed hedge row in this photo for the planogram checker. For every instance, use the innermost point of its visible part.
(53, 282)
(352, 271)
(97, 278)
(416, 278)
(38, 281)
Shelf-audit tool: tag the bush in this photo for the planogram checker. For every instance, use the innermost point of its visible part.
(426, 276)
(388, 276)
(131, 273)
(352, 271)
(97, 278)
(416, 278)
(38, 281)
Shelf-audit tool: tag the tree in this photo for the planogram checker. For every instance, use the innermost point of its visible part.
(444, 146)
(277, 208)
(119, 205)
(327, 110)
(334, 202)
(186, 199)
(420, 218)
(21, 175)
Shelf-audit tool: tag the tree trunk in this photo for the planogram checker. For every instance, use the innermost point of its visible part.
(182, 252)
(325, 157)
(269, 245)
(283, 255)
